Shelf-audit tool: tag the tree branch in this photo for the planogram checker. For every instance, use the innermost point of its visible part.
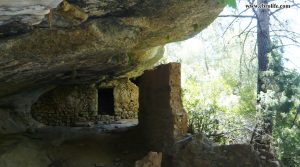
(238, 16)
(283, 45)
(290, 38)
(234, 21)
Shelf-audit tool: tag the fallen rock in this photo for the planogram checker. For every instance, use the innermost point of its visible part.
(153, 159)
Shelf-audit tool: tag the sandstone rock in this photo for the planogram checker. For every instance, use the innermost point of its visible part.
(153, 159)
(15, 122)
(29, 12)
(21, 152)
(47, 44)
(117, 39)
(9, 123)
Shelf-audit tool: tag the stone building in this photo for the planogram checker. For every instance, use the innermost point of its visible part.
(65, 105)
(68, 105)
(119, 98)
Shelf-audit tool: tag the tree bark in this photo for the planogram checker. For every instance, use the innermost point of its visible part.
(264, 47)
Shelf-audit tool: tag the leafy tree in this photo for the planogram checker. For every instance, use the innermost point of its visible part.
(286, 132)
(265, 28)
(220, 82)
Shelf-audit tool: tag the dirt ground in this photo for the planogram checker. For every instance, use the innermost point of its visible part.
(105, 150)
(73, 147)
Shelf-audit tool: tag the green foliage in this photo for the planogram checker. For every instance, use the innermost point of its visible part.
(218, 125)
(230, 3)
(220, 101)
(285, 85)
(214, 110)
(281, 104)
(219, 91)
(287, 138)
(209, 113)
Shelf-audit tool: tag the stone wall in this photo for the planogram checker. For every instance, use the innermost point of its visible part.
(126, 98)
(162, 118)
(72, 105)
(66, 105)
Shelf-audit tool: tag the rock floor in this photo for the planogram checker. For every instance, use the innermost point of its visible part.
(114, 145)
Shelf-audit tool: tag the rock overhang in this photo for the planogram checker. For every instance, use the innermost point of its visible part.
(29, 12)
(90, 41)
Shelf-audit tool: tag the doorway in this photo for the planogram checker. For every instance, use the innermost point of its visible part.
(106, 101)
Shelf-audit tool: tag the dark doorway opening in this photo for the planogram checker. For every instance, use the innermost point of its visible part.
(106, 101)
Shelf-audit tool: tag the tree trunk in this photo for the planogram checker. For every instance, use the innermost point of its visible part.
(264, 47)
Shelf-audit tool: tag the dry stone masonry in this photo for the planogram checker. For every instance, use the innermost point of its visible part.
(66, 105)
(74, 105)
(162, 118)
(125, 97)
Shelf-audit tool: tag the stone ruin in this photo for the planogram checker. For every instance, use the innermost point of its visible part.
(122, 96)
(162, 118)
(52, 52)
(155, 101)
(72, 105)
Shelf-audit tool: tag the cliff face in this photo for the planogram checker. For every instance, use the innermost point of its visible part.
(47, 43)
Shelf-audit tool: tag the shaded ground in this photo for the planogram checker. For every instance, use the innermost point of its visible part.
(107, 150)
(99, 146)
(72, 147)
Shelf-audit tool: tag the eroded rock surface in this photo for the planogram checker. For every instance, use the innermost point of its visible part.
(89, 41)
(29, 12)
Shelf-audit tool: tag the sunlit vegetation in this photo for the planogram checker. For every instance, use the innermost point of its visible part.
(219, 80)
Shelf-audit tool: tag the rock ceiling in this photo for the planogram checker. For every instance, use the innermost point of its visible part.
(52, 42)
